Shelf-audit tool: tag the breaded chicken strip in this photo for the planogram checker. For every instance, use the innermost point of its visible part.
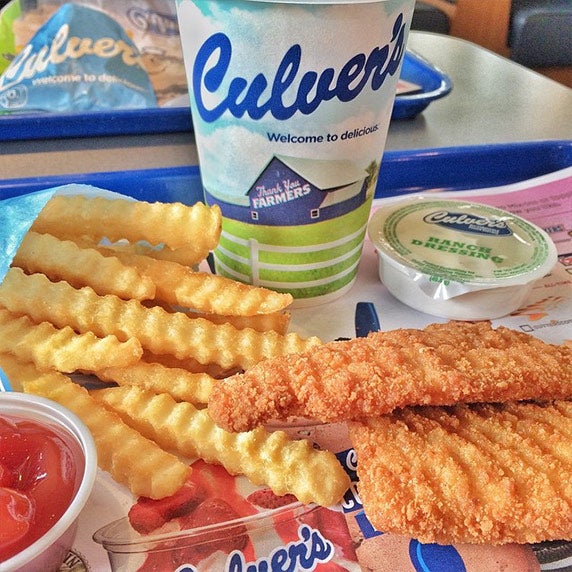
(364, 377)
(477, 473)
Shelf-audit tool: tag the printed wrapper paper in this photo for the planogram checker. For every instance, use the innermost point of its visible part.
(547, 314)
(150, 24)
(17, 215)
(16, 218)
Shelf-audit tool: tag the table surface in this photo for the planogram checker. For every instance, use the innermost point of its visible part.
(493, 100)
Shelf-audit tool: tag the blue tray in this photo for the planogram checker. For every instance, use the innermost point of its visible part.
(27, 126)
(434, 85)
(402, 172)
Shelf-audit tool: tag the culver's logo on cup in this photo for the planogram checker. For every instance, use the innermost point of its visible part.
(263, 94)
(291, 104)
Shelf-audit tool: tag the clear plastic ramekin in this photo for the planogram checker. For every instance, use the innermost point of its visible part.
(49, 551)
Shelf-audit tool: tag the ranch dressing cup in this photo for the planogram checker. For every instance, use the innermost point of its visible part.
(291, 102)
(457, 259)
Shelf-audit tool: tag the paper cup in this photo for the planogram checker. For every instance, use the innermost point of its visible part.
(291, 102)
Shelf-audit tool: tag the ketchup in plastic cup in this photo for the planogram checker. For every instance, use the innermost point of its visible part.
(48, 465)
(38, 479)
(291, 103)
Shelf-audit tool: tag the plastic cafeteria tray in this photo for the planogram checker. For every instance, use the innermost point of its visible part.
(402, 172)
(433, 82)
(36, 125)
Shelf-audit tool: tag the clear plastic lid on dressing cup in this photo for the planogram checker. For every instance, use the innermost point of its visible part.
(457, 259)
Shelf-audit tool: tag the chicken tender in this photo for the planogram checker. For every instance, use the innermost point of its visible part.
(480, 473)
(351, 380)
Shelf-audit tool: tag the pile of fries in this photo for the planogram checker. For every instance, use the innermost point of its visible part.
(110, 288)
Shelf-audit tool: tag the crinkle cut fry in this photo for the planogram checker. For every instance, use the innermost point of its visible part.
(157, 330)
(65, 260)
(129, 457)
(63, 349)
(479, 473)
(174, 224)
(273, 459)
(180, 384)
(441, 365)
(180, 285)
(189, 364)
(185, 255)
(277, 321)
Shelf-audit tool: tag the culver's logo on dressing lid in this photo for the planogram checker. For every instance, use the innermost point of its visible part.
(291, 104)
(467, 222)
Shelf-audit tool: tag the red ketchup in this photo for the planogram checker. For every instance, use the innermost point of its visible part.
(39, 476)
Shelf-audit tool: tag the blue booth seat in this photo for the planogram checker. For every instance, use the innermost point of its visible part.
(540, 32)
(534, 33)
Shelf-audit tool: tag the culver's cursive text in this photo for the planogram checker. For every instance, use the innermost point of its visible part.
(29, 63)
(262, 95)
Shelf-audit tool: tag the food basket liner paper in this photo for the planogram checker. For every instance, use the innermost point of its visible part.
(548, 314)
(17, 215)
